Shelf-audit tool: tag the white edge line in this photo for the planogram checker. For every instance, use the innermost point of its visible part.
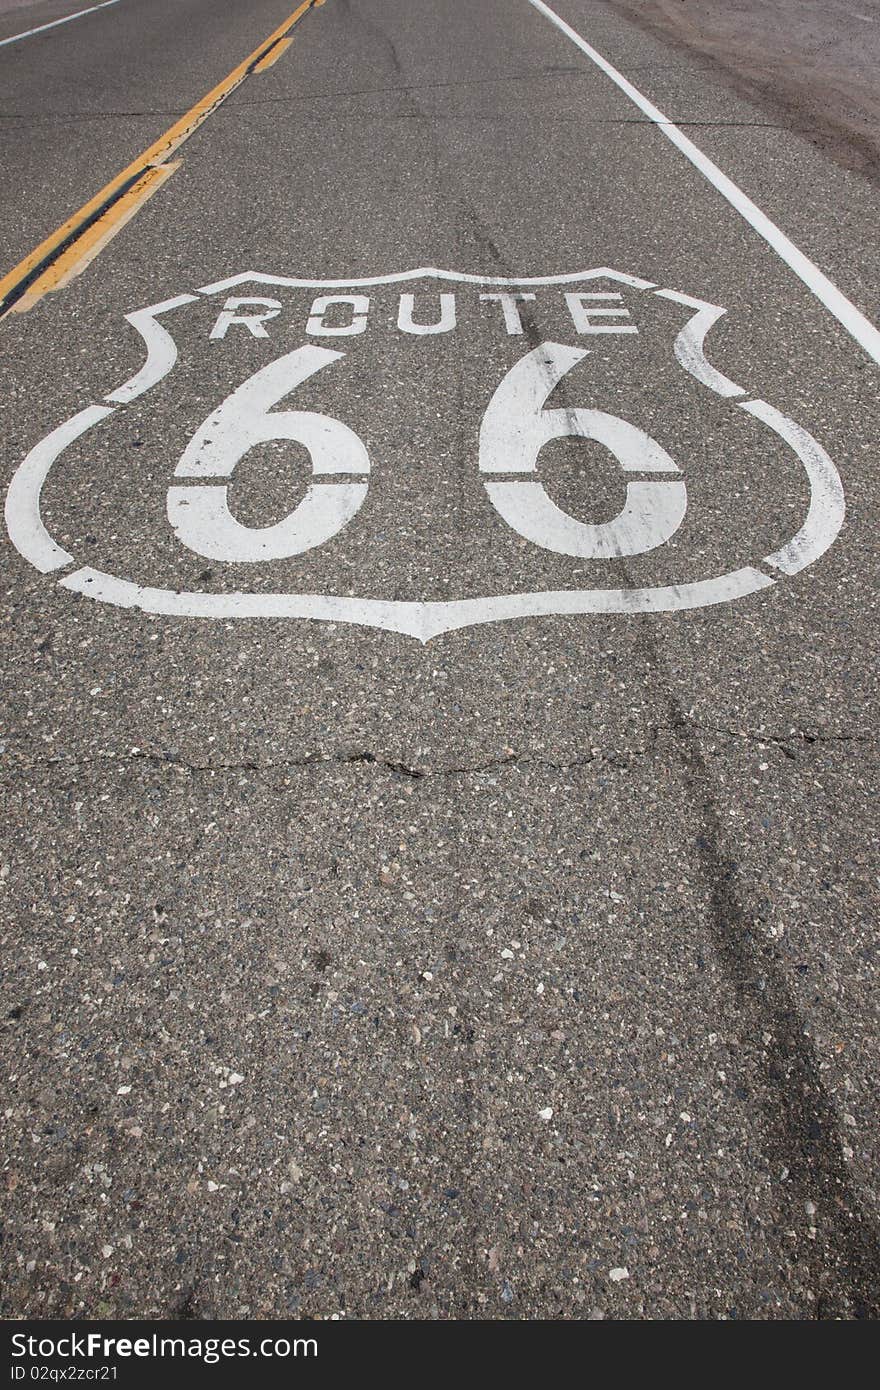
(28, 33)
(846, 313)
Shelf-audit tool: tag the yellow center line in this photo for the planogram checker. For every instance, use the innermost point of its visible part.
(271, 58)
(83, 251)
(123, 195)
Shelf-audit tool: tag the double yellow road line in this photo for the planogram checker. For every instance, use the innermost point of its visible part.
(70, 248)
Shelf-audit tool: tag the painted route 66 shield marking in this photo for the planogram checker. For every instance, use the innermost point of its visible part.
(556, 361)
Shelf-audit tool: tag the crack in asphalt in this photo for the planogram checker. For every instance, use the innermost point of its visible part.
(618, 757)
(322, 760)
(805, 736)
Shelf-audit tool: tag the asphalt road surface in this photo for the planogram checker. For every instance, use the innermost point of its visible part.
(440, 868)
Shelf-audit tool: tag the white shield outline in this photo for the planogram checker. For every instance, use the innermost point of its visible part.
(424, 620)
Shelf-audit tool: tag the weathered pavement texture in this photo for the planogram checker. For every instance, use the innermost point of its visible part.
(524, 972)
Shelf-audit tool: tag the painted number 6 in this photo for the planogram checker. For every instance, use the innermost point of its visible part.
(200, 515)
(516, 427)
